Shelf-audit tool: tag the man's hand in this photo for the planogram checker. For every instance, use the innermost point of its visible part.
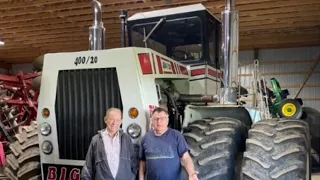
(142, 169)
(188, 164)
(194, 176)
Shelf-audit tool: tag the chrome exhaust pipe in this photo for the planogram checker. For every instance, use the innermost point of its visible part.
(96, 31)
(230, 52)
(123, 16)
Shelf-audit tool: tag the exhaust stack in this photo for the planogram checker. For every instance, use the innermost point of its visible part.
(96, 31)
(123, 16)
(230, 50)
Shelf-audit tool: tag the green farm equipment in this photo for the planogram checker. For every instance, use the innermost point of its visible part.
(279, 103)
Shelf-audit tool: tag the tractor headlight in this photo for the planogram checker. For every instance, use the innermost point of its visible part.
(45, 129)
(47, 147)
(134, 130)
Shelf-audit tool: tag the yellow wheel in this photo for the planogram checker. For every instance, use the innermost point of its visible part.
(290, 108)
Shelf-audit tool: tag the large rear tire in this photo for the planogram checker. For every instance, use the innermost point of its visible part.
(215, 146)
(277, 149)
(24, 160)
(312, 117)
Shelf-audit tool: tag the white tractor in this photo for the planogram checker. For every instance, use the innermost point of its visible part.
(173, 61)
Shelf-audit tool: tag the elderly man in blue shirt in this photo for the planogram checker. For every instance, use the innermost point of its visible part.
(162, 150)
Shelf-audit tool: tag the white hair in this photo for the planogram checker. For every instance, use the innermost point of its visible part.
(113, 109)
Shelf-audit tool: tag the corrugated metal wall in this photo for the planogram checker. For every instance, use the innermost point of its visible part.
(289, 67)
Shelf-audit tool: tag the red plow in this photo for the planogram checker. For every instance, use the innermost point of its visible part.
(18, 106)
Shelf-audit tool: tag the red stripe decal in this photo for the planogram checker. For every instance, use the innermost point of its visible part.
(184, 70)
(221, 74)
(173, 68)
(145, 63)
(159, 65)
(197, 72)
(154, 64)
(213, 73)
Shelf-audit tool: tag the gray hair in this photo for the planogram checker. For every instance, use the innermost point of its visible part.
(159, 110)
(113, 109)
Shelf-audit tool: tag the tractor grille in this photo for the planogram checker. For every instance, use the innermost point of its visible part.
(82, 98)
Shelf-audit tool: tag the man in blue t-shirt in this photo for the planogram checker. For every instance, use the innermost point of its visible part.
(162, 151)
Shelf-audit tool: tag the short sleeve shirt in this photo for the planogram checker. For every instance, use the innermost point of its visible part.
(162, 154)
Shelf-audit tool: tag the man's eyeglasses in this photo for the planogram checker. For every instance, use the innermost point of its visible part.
(160, 118)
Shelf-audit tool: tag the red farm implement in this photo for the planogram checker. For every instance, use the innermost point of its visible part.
(18, 106)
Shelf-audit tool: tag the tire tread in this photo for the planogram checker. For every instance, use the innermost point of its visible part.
(25, 154)
(214, 145)
(276, 149)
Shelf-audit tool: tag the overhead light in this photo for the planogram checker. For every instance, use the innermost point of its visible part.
(1, 43)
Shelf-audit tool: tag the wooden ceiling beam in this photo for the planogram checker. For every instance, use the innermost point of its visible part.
(77, 12)
(112, 15)
(280, 10)
(37, 35)
(67, 43)
(211, 5)
(8, 48)
(81, 35)
(63, 43)
(24, 4)
(285, 30)
(21, 55)
(27, 4)
(57, 33)
(301, 24)
(3, 53)
(263, 5)
(302, 36)
(253, 42)
(34, 29)
(55, 20)
(279, 21)
(73, 35)
(53, 27)
(260, 23)
(305, 14)
(278, 45)
(110, 35)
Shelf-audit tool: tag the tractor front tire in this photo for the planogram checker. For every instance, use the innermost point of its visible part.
(277, 149)
(24, 160)
(215, 145)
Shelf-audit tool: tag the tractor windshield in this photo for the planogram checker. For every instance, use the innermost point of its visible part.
(180, 39)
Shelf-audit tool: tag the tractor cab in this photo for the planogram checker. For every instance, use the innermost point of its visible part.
(188, 34)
